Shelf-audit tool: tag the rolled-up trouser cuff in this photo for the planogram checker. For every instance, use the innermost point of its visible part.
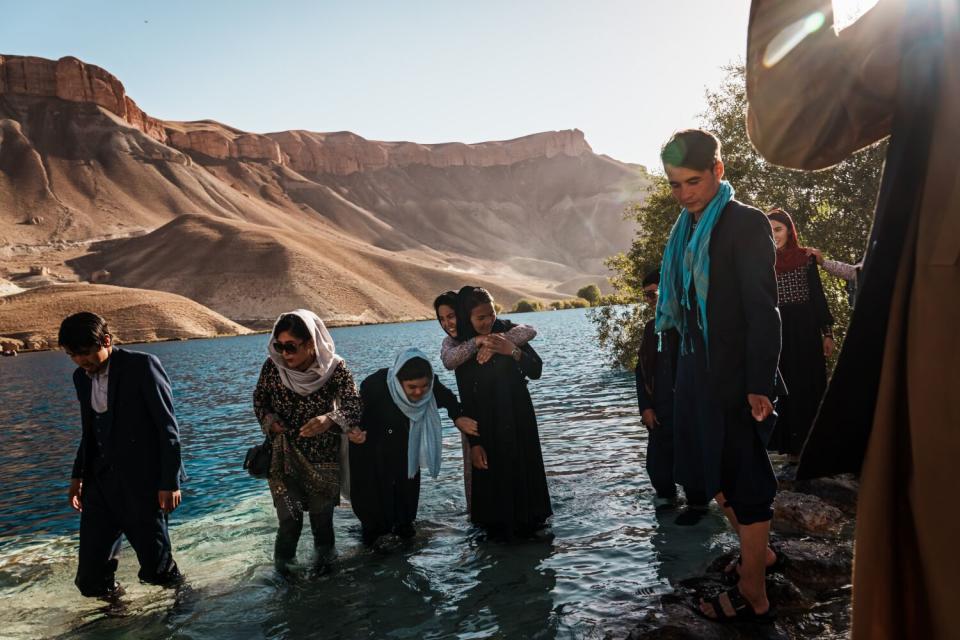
(752, 513)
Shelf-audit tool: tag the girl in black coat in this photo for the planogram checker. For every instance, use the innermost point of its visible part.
(510, 495)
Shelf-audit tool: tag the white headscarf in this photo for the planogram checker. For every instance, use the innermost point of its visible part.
(306, 382)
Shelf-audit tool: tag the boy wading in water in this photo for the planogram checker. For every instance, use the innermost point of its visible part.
(718, 290)
(126, 476)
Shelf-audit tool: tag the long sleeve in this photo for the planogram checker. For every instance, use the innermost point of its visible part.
(77, 472)
(349, 405)
(155, 387)
(831, 94)
(819, 302)
(754, 261)
(520, 334)
(466, 379)
(644, 401)
(453, 353)
(642, 375)
(262, 406)
(530, 363)
(841, 270)
(371, 419)
(446, 399)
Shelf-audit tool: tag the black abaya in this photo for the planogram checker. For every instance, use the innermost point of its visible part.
(511, 496)
(384, 499)
(805, 318)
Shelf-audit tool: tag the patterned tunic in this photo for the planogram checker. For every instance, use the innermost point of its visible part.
(293, 455)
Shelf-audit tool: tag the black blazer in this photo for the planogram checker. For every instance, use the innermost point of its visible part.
(743, 320)
(143, 443)
(646, 369)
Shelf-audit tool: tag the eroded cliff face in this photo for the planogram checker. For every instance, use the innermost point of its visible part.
(339, 153)
(343, 153)
(79, 162)
(72, 80)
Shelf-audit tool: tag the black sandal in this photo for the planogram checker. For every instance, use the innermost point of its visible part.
(732, 576)
(742, 610)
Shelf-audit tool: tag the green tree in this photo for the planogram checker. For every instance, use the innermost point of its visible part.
(526, 306)
(833, 211)
(590, 293)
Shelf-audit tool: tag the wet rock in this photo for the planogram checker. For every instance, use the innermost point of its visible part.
(839, 491)
(816, 565)
(805, 514)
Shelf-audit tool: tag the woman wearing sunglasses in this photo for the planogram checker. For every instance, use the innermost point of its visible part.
(305, 399)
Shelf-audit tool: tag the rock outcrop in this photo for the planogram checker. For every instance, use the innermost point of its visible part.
(344, 153)
(810, 589)
(74, 81)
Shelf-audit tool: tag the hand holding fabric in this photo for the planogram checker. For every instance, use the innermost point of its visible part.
(467, 425)
(760, 406)
(316, 426)
(76, 488)
(816, 253)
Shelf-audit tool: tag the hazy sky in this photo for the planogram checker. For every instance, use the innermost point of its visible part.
(626, 72)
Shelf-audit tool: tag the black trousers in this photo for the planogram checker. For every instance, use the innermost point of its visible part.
(290, 518)
(112, 509)
(660, 445)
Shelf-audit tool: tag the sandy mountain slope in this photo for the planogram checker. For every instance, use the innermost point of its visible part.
(361, 230)
(251, 272)
(33, 317)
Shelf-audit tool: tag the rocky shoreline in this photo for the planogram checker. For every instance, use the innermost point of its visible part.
(813, 528)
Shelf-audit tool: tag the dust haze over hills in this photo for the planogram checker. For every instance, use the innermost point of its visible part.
(254, 224)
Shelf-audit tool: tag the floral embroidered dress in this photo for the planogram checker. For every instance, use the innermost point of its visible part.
(312, 463)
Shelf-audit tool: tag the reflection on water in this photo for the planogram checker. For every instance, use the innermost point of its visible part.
(607, 557)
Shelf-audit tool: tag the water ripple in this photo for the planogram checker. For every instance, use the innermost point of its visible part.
(609, 556)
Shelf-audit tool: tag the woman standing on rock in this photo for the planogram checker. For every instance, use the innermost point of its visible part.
(305, 398)
(510, 496)
(807, 336)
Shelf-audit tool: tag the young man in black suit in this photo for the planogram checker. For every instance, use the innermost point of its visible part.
(127, 472)
(718, 289)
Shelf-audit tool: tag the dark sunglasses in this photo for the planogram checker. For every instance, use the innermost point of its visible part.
(649, 295)
(286, 347)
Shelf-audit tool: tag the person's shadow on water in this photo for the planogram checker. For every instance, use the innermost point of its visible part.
(512, 592)
(684, 551)
(365, 592)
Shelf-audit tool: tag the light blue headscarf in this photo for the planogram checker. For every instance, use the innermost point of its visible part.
(685, 261)
(423, 443)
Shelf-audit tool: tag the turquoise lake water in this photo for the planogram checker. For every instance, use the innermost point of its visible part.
(609, 556)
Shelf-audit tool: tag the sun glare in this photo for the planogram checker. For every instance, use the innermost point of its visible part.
(792, 35)
(846, 12)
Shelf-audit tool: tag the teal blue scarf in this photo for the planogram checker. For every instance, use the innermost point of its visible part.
(686, 259)
(423, 443)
